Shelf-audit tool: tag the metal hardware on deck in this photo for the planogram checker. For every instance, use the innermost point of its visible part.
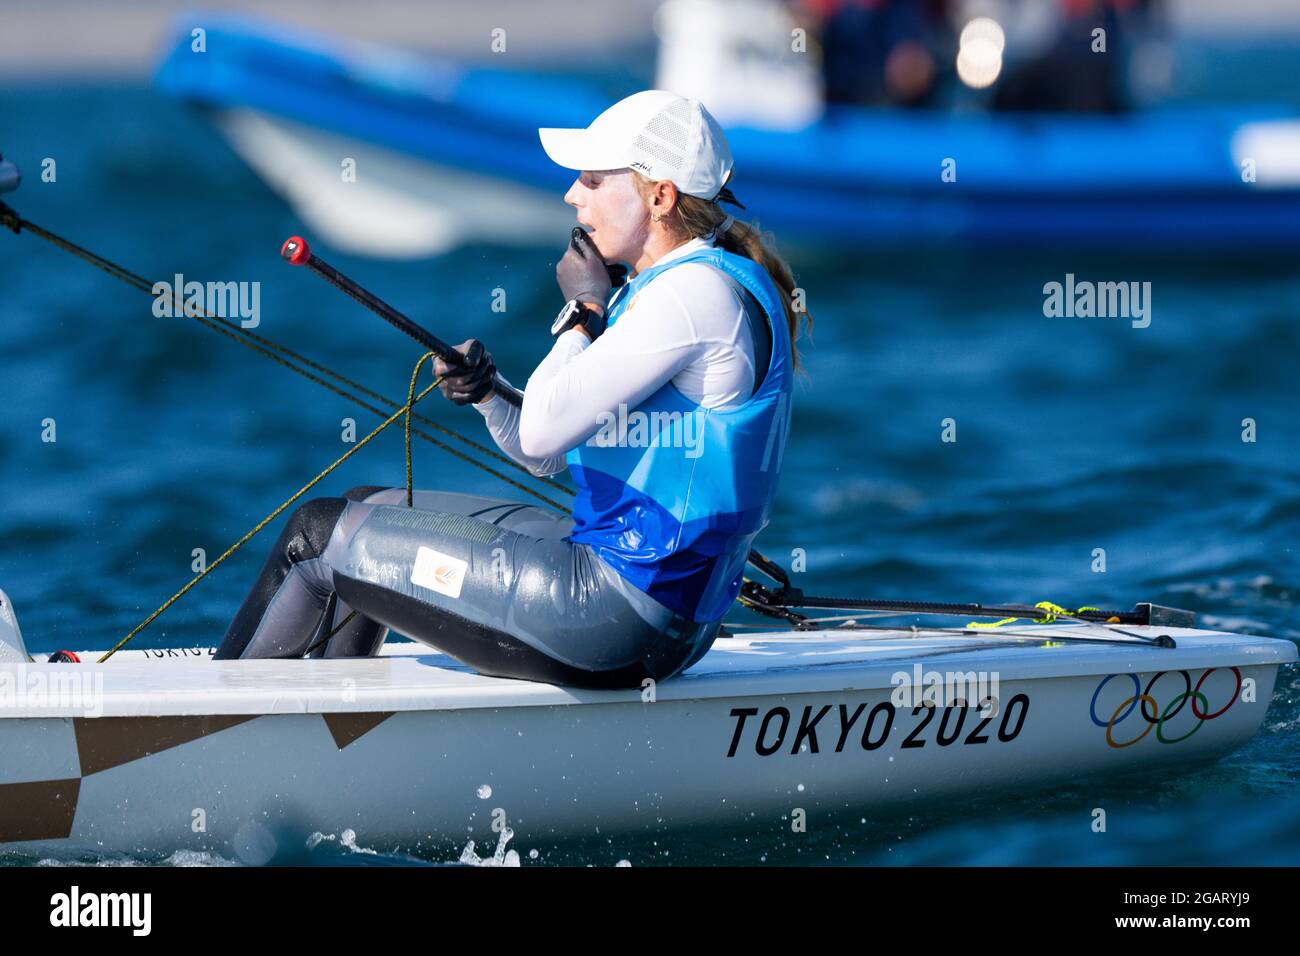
(1157, 615)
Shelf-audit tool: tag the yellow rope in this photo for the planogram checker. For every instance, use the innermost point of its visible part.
(213, 324)
(410, 402)
(1054, 611)
(412, 398)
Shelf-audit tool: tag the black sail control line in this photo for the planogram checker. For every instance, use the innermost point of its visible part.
(779, 602)
(320, 374)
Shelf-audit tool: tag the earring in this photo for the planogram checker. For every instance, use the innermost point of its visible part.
(655, 216)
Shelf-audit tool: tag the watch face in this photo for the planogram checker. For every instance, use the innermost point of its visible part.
(570, 309)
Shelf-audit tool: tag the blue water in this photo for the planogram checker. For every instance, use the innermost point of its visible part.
(1072, 434)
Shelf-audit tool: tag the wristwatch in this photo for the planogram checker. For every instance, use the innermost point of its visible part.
(576, 313)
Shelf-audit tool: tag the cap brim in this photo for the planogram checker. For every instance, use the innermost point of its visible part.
(578, 149)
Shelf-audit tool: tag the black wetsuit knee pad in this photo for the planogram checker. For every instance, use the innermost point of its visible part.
(309, 529)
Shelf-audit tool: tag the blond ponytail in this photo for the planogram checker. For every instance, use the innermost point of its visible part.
(694, 217)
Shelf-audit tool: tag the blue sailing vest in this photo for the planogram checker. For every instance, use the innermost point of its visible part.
(670, 494)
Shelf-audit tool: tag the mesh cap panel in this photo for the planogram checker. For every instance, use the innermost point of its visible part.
(666, 134)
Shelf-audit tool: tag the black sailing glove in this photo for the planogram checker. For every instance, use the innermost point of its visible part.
(472, 383)
(582, 273)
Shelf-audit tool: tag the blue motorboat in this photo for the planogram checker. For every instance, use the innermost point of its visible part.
(445, 151)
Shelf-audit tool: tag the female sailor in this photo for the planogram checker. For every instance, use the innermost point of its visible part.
(668, 398)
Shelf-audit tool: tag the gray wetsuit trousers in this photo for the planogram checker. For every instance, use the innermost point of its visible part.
(487, 581)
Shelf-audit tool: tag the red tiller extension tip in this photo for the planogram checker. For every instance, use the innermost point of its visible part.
(296, 251)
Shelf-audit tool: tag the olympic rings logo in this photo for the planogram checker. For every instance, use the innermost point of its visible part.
(1143, 701)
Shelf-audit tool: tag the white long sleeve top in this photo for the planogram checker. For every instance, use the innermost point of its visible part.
(687, 325)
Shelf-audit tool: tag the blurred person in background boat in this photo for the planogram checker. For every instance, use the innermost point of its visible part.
(667, 396)
(880, 52)
(900, 52)
(1070, 73)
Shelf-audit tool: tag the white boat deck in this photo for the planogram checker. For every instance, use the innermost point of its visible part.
(411, 677)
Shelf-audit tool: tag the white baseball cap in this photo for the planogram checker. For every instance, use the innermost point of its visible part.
(660, 134)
